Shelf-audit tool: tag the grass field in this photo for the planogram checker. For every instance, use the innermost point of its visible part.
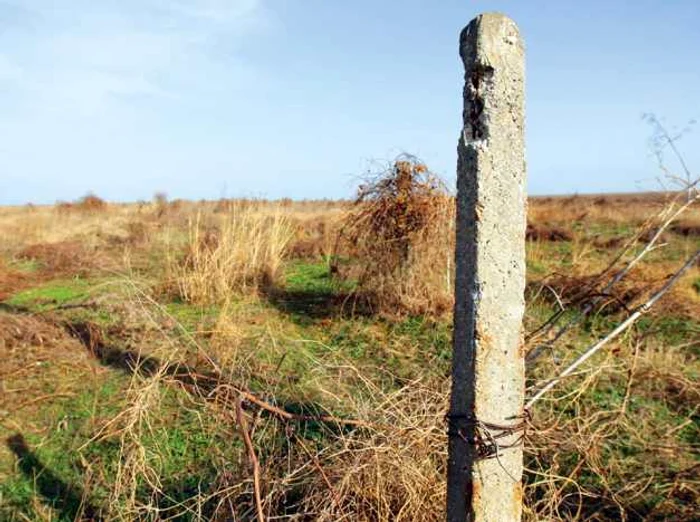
(159, 357)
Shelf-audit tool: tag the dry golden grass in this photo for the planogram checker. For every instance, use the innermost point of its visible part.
(236, 251)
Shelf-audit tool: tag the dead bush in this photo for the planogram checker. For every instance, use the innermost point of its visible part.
(400, 231)
(577, 291)
(90, 203)
(547, 233)
(64, 257)
(19, 331)
(395, 472)
(687, 229)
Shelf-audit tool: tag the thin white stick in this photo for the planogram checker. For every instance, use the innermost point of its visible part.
(617, 331)
(535, 353)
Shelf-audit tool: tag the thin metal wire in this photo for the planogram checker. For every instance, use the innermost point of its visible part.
(487, 440)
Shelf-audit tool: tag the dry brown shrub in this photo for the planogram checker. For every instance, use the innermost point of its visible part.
(394, 472)
(91, 203)
(64, 207)
(25, 330)
(543, 232)
(687, 229)
(400, 230)
(63, 257)
(576, 291)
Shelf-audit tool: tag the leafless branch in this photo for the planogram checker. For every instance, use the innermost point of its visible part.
(252, 457)
(617, 331)
(667, 216)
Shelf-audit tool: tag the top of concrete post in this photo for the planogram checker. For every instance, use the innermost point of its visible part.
(502, 35)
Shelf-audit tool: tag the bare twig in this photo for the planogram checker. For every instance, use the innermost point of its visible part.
(617, 331)
(252, 457)
(668, 215)
(285, 415)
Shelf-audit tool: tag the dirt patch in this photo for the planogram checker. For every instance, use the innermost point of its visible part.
(687, 229)
(547, 233)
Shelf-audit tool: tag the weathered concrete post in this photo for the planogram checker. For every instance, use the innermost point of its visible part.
(486, 410)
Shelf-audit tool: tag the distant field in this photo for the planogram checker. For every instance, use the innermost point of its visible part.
(149, 348)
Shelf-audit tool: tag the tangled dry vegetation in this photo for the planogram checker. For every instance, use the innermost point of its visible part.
(170, 368)
(400, 235)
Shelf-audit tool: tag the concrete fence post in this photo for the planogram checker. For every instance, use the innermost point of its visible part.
(486, 420)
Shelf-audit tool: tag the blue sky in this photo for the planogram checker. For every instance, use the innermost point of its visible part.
(275, 98)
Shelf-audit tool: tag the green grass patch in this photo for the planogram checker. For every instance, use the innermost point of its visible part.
(609, 230)
(671, 330)
(535, 267)
(51, 469)
(67, 465)
(308, 277)
(53, 293)
(191, 316)
(313, 278)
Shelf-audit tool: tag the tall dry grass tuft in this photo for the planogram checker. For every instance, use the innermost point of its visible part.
(236, 251)
(401, 233)
(135, 469)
